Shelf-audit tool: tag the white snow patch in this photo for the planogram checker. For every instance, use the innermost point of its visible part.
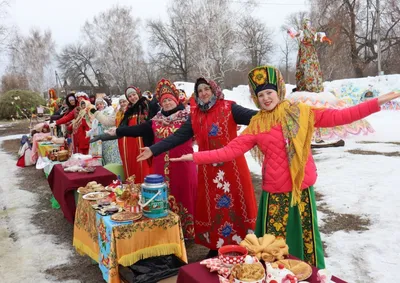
(32, 252)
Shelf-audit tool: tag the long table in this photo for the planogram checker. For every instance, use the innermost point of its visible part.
(197, 273)
(63, 184)
(110, 243)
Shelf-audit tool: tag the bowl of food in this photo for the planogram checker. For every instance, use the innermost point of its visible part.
(232, 254)
(249, 273)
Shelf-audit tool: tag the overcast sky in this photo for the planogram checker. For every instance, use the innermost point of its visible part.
(66, 18)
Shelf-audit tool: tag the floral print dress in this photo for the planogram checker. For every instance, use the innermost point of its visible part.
(107, 150)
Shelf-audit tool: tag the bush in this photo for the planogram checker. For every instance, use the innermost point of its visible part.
(17, 104)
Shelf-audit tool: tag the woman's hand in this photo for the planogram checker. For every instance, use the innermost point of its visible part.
(382, 99)
(145, 154)
(185, 157)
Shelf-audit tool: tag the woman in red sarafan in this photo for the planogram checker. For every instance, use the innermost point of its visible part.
(79, 126)
(225, 206)
(129, 147)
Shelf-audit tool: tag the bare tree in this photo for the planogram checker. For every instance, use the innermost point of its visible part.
(114, 36)
(76, 62)
(30, 57)
(288, 51)
(355, 22)
(215, 38)
(172, 42)
(256, 39)
(4, 30)
(152, 74)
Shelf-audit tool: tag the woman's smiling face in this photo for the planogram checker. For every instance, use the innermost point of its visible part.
(133, 97)
(100, 106)
(124, 104)
(268, 99)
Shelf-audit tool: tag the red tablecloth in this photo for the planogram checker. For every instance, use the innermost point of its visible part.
(63, 184)
(196, 273)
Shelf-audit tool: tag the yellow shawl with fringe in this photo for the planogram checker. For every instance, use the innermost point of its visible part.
(297, 121)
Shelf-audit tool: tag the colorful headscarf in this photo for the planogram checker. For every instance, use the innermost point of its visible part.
(296, 120)
(166, 89)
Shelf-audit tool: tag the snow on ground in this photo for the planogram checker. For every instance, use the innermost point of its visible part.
(364, 185)
(25, 253)
(10, 137)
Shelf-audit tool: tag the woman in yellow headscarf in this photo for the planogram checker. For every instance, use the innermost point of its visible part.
(282, 132)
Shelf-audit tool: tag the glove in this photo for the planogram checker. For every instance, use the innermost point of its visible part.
(95, 139)
(103, 137)
(112, 131)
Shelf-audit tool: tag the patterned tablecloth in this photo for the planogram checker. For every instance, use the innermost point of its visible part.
(111, 243)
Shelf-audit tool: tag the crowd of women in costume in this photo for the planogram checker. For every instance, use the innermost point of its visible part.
(211, 189)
